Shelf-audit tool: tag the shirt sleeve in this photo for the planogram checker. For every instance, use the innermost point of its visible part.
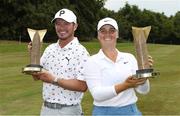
(44, 56)
(92, 76)
(144, 88)
(83, 57)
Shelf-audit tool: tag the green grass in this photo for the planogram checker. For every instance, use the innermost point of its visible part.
(21, 95)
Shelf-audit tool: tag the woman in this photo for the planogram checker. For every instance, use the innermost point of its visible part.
(108, 75)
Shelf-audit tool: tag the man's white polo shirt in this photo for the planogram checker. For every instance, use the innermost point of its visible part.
(101, 74)
(66, 63)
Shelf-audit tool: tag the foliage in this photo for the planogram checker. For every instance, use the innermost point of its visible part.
(17, 15)
(163, 28)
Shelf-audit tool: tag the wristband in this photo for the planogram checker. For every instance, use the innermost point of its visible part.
(55, 81)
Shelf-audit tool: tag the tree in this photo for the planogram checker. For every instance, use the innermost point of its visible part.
(17, 15)
(176, 22)
(88, 14)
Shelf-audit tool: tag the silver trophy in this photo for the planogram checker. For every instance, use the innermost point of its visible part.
(36, 37)
(140, 37)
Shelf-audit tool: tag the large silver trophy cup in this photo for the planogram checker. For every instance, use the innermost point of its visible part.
(36, 37)
(140, 37)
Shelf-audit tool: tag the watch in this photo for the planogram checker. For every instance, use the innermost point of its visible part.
(55, 81)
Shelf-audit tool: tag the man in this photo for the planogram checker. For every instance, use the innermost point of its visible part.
(62, 91)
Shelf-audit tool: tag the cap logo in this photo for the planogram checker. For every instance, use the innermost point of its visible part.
(61, 12)
(106, 20)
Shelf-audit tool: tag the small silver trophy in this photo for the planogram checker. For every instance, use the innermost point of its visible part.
(36, 38)
(140, 37)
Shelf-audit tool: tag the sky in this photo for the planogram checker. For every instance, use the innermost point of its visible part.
(169, 7)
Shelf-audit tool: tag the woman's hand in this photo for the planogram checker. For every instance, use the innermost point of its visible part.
(150, 61)
(132, 82)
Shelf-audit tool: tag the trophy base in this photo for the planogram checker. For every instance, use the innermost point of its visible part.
(32, 68)
(146, 73)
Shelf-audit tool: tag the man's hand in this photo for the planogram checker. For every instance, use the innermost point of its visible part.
(45, 76)
(29, 47)
(35, 77)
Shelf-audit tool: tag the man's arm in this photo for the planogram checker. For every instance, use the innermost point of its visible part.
(70, 84)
